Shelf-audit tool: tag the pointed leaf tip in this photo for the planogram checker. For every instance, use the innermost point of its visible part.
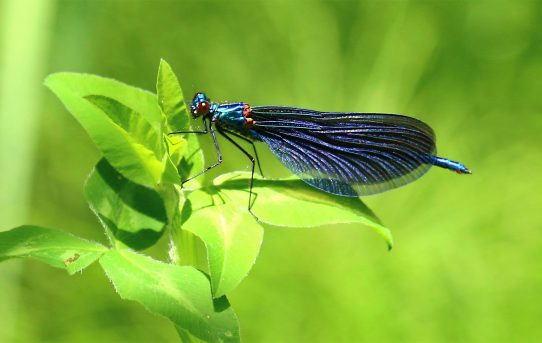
(279, 203)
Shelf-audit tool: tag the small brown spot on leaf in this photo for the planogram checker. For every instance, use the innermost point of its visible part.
(72, 259)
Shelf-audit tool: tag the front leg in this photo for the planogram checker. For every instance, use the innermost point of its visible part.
(217, 148)
(204, 132)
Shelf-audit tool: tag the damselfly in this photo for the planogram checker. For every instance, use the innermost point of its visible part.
(343, 153)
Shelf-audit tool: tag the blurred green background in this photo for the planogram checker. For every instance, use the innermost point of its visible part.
(466, 265)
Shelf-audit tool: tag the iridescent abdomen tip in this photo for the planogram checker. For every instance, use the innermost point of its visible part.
(451, 165)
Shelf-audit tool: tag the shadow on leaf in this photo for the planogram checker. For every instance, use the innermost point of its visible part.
(134, 214)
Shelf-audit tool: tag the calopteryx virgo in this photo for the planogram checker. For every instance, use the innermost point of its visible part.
(343, 153)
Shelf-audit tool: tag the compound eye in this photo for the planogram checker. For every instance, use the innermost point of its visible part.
(202, 108)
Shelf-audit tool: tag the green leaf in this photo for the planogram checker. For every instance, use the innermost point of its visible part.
(231, 235)
(130, 121)
(191, 250)
(82, 85)
(170, 175)
(293, 203)
(190, 160)
(171, 99)
(123, 151)
(54, 247)
(132, 214)
(181, 294)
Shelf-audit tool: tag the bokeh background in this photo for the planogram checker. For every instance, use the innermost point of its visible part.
(466, 265)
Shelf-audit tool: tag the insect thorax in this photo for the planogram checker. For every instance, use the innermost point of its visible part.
(231, 117)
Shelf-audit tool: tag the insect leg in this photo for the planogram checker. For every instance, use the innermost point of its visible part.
(251, 143)
(204, 132)
(217, 148)
(250, 157)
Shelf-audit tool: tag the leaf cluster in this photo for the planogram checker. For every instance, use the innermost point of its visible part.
(135, 191)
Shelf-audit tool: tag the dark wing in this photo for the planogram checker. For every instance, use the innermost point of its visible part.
(347, 154)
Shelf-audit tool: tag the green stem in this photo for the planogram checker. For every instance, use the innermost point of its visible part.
(24, 29)
(185, 247)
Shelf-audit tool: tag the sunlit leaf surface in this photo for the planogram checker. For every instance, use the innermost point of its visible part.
(293, 203)
(181, 294)
(232, 237)
(120, 147)
(82, 85)
(57, 248)
(172, 103)
(130, 121)
(171, 99)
